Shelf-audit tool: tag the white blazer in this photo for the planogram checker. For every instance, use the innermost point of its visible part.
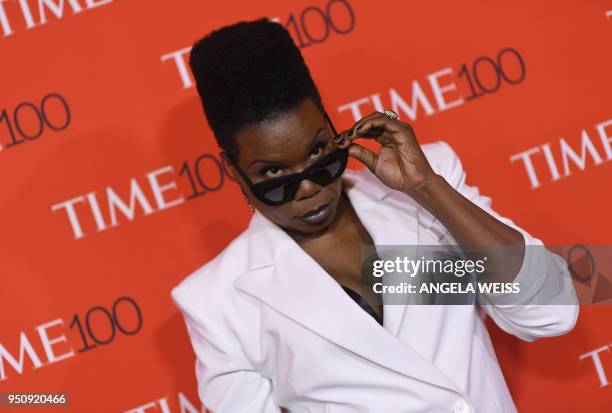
(271, 328)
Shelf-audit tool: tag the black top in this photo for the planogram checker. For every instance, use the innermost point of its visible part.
(363, 304)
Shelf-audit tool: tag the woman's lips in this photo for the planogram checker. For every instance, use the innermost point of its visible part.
(318, 215)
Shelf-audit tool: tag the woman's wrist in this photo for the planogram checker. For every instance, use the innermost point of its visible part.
(425, 192)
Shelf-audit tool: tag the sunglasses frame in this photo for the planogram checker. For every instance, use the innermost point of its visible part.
(296, 178)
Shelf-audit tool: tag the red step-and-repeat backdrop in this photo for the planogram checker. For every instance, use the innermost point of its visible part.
(112, 190)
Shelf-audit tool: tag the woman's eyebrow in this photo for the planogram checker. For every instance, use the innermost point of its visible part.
(310, 146)
(314, 139)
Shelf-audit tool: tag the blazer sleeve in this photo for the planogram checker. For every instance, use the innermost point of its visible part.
(226, 381)
(547, 304)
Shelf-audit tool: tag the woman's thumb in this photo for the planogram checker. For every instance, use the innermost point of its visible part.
(363, 155)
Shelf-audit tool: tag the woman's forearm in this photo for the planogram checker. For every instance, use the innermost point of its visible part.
(472, 226)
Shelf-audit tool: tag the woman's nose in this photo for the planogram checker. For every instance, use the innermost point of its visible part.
(307, 189)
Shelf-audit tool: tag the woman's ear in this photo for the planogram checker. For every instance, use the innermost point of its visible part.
(228, 167)
(231, 171)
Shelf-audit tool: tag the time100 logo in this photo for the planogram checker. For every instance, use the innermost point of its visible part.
(93, 328)
(30, 121)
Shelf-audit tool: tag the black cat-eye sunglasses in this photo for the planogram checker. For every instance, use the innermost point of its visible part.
(278, 191)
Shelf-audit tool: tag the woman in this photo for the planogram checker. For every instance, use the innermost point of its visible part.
(280, 318)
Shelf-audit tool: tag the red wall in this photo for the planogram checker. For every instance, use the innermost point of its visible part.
(98, 108)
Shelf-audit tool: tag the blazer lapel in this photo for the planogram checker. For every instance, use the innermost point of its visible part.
(285, 277)
(397, 225)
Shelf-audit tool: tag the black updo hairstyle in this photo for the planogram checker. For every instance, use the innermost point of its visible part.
(248, 72)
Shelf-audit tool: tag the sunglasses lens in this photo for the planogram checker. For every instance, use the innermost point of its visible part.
(277, 191)
(326, 174)
(322, 174)
(275, 194)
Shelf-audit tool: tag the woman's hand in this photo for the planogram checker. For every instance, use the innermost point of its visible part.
(400, 163)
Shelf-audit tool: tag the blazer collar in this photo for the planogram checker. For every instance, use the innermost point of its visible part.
(285, 277)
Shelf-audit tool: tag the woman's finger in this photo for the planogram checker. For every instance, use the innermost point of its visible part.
(382, 121)
(364, 155)
(342, 138)
(361, 121)
(394, 131)
(372, 126)
(351, 131)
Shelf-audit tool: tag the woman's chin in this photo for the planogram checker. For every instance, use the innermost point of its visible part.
(320, 218)
(319, 224)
